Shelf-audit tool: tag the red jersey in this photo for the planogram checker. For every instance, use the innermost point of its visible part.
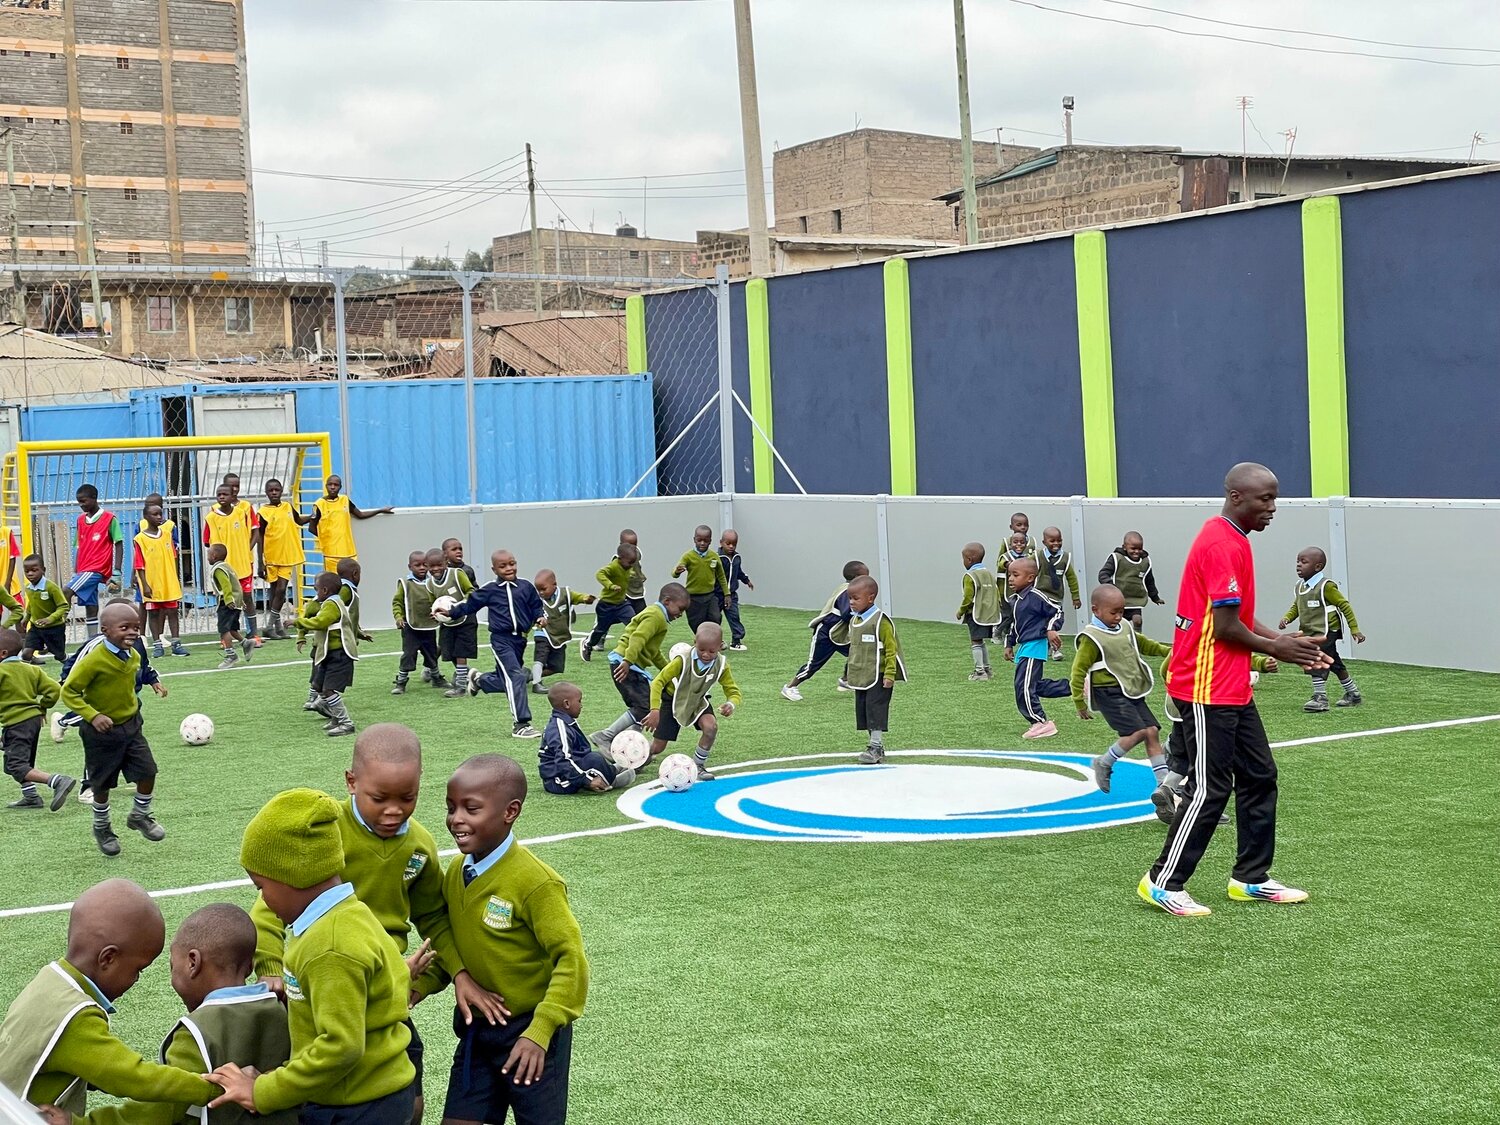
(1219, 571)
(96, 543)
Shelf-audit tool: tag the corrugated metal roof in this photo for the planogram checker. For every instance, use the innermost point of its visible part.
(555, 345)
(37, 365)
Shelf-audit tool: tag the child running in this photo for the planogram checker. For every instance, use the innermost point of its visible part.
(875, 664)
(706, 582)
(1320, 608)
(457, 643)
(412, 610)
(835, 613)
(231, 594)
(681, 696)
(100, 556)
(637, 658)
(46, 612)
(980, 608)
(335, 649)
(56, 1043)
(549, 656)
(158, 581)
(566, 761)
(511, 930)
(614, 606)
(25, 694)
(734, 570)
(514, 609)
(1054, 571)
(635, 588)
(1028, 642)
(1111, 676)
(1129, 568)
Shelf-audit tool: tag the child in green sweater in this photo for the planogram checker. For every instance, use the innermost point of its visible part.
(25, 694)
(614, 606)
(335, 647)
(1320, 609)
(875, 664)
(389, 858)
(101, 689)
(55, 1041)
(46, 612)
(707, 583)
(680, 695)
(347, 988)
(510, 927)
(231, 597)
(635, 588)
(638, 650)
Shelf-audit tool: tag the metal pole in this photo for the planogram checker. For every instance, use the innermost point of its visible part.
(471, 430)
(755, 173)
(726, 413)
(88, 233)
(341, 345)
(536, 240)
(965, 129)
(15, 225)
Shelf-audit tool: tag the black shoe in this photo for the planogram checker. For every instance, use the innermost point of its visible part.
(398, 688)
(61, 790)
(146, 825)
(457, 691)
(1350, 699)
(538, 689)
(342, 728)
(108, 842)
(34, 802)
(1316, 705)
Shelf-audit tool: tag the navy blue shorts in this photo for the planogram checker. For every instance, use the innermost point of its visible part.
(393, 1109)
(477, 1091)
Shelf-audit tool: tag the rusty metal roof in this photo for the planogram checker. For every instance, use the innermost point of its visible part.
(592, 344)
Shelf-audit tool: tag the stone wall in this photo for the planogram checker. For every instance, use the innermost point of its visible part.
(1085, 188)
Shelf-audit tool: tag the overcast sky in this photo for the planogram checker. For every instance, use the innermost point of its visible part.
(444, 90)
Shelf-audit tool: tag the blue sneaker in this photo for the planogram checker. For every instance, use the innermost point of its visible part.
(1180, 903)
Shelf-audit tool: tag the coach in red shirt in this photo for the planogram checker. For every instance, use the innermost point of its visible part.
(1208, 675)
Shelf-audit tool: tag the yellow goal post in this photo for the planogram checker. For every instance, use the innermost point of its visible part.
(40, 479)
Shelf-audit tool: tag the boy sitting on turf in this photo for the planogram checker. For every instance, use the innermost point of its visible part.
(614, 605)
(25, 694)
(55, 1042)
(1027, 643)
(390, 859)
(1320, 610)
(347, 989)
(101, 688)
(684, 686)
(835, 613)
(46, 612)
(412, 610)
(707, 584)
(875, 664)
(565, 760)
(457, 643)
(549, 655)
(639, 648)
(1111, 676)
(335, 648)
(511, 928)
(980, 608)
(231, 599)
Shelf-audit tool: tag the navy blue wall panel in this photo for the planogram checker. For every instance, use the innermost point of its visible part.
(682, 349)
(1422, 339)
(1209, 338)
(994, 337)
(739, 374)
(828, 387)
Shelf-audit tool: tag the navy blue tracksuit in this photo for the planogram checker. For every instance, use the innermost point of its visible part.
(1031, 616)
(514, 608)
(821, 651)
(734, 570)
(566, 759)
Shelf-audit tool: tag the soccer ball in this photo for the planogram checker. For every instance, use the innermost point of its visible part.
(197, 730)
(1254, 678)
(680, 649)
(677, 773)
(442, 607)
(630, 749)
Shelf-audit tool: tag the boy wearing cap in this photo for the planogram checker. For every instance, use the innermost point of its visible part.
(346, 984)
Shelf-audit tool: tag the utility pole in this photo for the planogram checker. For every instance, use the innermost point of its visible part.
(536, 238)
(1068, 120)
(15, 225)
(965, 130)
(557, 258)
(755, 172)
(88, 233)
(1245, 102)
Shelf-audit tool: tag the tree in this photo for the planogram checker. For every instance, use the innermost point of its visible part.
(475, 262)
(421, 263)
(365, 277)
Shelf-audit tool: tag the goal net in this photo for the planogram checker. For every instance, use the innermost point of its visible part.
(39, 483)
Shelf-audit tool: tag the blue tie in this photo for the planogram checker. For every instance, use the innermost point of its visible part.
(470, 874)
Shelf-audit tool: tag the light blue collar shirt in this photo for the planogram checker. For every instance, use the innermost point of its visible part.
(321, 906)
(481, 866)
(405, 824)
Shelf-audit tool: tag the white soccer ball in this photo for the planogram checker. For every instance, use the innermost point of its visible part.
(680, 649)
(630, 749)
(197, 730)
(442, 607)
(677, 773)
(1254, 678)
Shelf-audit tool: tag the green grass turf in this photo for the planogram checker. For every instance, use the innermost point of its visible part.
(1015, 979)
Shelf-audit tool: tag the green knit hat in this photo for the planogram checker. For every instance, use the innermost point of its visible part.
(295, 839)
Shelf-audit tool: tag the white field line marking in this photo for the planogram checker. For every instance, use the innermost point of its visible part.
(203, 888)
(252, 666)
(229, 884)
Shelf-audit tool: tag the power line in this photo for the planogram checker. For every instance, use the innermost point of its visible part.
(1253, 42)
(493, 169)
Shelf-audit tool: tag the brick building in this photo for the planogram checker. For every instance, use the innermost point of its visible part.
(585, 254)
(877, 182)
(791, 253)
(1068, 188)
(143, 105)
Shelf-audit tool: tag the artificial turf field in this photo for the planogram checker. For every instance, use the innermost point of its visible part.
(1016, 979)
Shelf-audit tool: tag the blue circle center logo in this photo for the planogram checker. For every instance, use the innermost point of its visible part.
(972, 795)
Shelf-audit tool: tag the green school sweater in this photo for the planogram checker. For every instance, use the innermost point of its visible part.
(640, 644)
(102, 683)
(1317, 609)
(25, 692)
(46, 607)
(400, 880)
(636, 587)
(512, 929)
(346, 992)
(685, 687)
(613, 581)
(703, 574)
(1087, 654)
(874, 649)
(85, 1049)
(324, 621)
(227, 585)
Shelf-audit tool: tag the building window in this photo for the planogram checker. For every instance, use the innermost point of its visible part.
(838, 221)
(236, 316)
(132, 193)
(122, 62)
(1234, 197)
(126, 128)
(161, 314)
(634, 254)
(133, 258)
(802, 224)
